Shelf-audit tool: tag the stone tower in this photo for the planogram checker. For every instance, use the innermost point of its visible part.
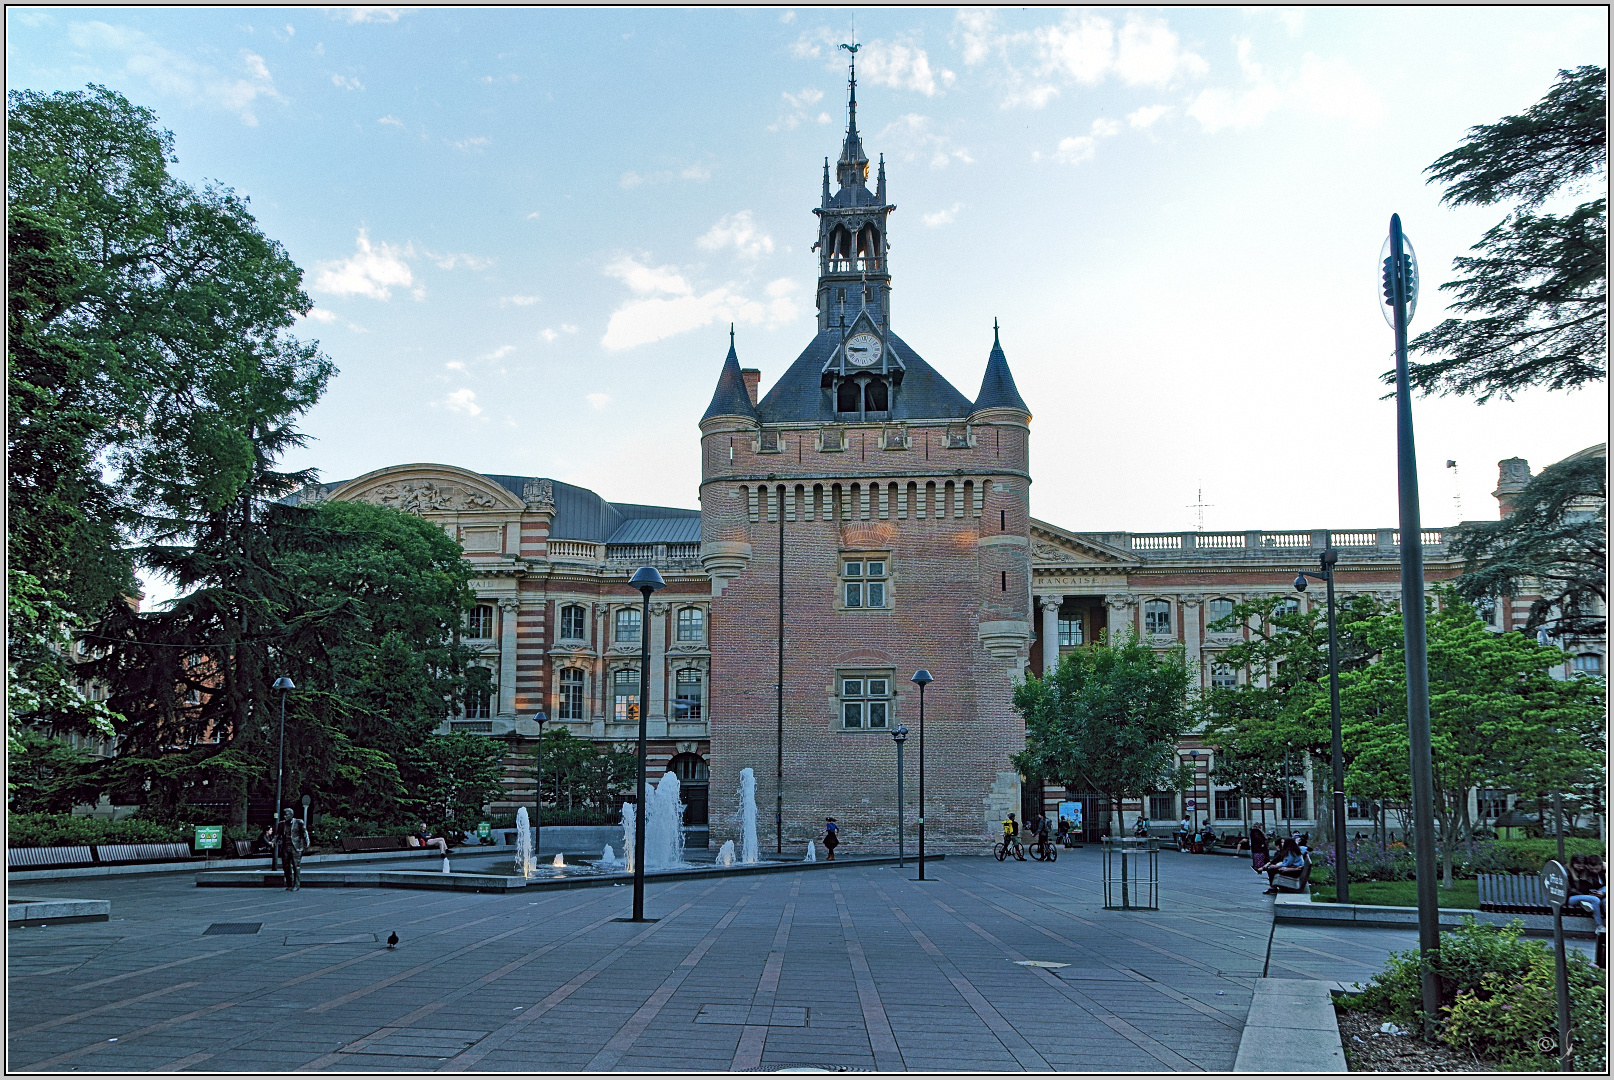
(862, 520)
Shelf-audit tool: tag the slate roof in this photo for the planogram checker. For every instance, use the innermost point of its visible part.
(679, 530)
(997, 385)
(731, 397)
(799, 397)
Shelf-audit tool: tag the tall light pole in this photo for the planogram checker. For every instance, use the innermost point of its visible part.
(1194, 759)
(900, 736)
(1400, 299)
(285, 686)
(1342, 880)
(1288, 792)
(922, 679)
(538, 800)
(647, 581)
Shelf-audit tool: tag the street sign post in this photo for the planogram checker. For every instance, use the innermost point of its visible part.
(484, 830)
(1555, 883)
(209, 838)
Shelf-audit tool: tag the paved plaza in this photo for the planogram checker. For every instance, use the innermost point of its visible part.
(858, 967)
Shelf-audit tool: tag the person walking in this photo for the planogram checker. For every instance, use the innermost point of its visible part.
(832, 837)
(291, 840)
(1258, 847)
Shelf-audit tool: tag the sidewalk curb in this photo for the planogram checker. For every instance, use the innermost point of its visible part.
(39, 911)
(1298, 909)
(14, 877)
(1291, 1029)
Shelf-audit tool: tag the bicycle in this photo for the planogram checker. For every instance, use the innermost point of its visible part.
(1044, 851)
(1002, 851)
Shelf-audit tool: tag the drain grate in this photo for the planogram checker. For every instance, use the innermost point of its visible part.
(233, 928)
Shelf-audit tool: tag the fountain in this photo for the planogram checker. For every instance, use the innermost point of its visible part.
(446, 870)
(664, 825)
(750, 850)
(560, 861)
(812, 853)
(627, 835)
(725, 854)
(609, 857)
(524, 861)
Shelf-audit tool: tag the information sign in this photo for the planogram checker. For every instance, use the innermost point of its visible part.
(484, 830)
(209, 837)
(1071, 812)
(1555, 883)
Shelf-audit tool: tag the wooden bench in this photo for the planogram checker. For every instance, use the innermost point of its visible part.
(375, 843)
(122, 853)
(1288, 881)
(29, 857)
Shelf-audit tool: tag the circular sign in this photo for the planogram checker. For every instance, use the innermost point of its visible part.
(1555, 882)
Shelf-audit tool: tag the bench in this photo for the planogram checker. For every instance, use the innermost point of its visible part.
(375, 843)
(122, 853)
(25, 857)
(1518, 894)
(1292, 882)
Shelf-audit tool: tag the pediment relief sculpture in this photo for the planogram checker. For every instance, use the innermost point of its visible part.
(428, 496)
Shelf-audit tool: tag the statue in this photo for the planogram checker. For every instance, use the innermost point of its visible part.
(291, 839)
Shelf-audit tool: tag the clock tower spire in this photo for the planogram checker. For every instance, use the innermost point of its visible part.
(853, 276)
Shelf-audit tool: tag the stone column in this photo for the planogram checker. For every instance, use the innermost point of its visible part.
(1188, 608)
(658, 667)
(507, 658)
(1050, 633)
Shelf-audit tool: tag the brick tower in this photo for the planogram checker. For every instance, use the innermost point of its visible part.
(861, 521)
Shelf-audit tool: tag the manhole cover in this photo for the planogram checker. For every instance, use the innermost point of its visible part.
(233, 928)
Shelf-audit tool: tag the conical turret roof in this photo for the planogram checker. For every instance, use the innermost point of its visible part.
(997, 385)
(731, 397)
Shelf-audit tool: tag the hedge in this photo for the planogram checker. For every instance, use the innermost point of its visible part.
(66, 830)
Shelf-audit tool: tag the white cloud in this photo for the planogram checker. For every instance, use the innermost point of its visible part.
(696, 171)
(548, 335)
(568, 328)
(597, 402)
(518, 301)
(1079, 148)
(973, 34)
(391, 120)
(813, 43)
(175, 74)
(1327, 88)
(463, 401)
(460, 261)
(798, 108)
(321, 315)
(455, 365)
(739, 232)
(534, 216)
(469, 143)
(1151, 55)
(1082, 50)
(344, 83)
(1146, 116)
(942, 217)
(1105, 128)
(667, 305)
(498, 354)
(902, 66)
(1334, 89)
(371, 271)
(369, 14)
(787, 17)
(912, 137)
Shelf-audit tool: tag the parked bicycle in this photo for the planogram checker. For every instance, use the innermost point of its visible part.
(1044, 850)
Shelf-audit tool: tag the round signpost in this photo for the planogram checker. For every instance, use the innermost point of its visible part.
(1555, 883)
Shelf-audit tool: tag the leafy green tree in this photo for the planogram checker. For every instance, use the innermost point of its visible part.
(578, 775)
(454, 777)
(1106, 719)
(1497, 716)
(1533, 300)
(1553, 544)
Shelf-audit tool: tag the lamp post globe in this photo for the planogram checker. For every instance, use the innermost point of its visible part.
(647, 580)
(285, 686)
(921, 679)
(899, 735)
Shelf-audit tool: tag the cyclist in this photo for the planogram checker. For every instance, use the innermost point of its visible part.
(1011, 835)
(1042, 834)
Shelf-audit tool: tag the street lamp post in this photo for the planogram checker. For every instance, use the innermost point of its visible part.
(647, 581)
(539, 717)
(922, 679)
(1342, 881)
(900, 736)
(1288, 792)
(1400, 299)
(285, 686)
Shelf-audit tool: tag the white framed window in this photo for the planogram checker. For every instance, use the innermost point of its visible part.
(1070, 632)
(689, 699)
(1590, 663)
(1217, 609)
(1162, 806)
(625, 695)
(478, 703)
(1157, 617)
(627, 625)
(864, 581)
(865, 700)
(1222, 676)
(570, 705)
(1227, 805)
(479, 623)
(572, 622)
(691, 624)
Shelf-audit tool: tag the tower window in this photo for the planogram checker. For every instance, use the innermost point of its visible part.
(846, 397)
(876, 396)
(865, 700)
(840, 296)
(863, 582)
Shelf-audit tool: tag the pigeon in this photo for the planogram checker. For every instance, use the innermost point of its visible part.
(392, 940)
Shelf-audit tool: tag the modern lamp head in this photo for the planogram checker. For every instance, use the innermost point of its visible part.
(540, 717)
(921, 678)
(284, 684)
(1300, 582)
(647, 580)
(1388, 280)
(899, 734)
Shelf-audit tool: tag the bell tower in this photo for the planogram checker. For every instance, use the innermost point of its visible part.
(853, 275)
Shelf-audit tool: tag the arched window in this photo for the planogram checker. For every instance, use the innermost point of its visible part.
(689, 768)
(689, 701)
(570, 706)
(1157, 617)
(625, 695)
(691, 624)
(1220, 608)
(478, 701)
(627, 624)
(479, 623)
(571, 621)
(693, 785)
(846, 396)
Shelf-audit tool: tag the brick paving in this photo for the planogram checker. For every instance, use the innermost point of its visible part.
(860, 967)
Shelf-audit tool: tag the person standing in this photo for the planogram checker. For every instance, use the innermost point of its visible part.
(832, 837)
(291, 840)
(1258, 847)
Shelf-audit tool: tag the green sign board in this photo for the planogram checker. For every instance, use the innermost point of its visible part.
(484, 829)
(209, 837)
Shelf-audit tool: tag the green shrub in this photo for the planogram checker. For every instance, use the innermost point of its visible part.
(328, 829)
(1527, 856)
(1497, 997)
(66, 830)
(555, 815)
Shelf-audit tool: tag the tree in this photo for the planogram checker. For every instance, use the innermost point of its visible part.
(1106, 719)
(1498, 717)
(456, 775)
(1554, 544)
(1534, 297)
(577, 775)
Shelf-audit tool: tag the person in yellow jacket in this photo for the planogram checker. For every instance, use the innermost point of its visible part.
(1011, 835)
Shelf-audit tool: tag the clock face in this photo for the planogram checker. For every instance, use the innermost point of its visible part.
(863, 350)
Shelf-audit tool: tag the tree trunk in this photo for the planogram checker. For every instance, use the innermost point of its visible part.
(1323, 803)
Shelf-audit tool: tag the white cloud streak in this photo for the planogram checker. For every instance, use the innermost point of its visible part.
(738, 231)
(666, 304)
(176, 74)
(372, 271)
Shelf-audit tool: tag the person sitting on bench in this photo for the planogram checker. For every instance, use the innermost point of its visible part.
(425, 838)
(1290, 864)
(1587, 886)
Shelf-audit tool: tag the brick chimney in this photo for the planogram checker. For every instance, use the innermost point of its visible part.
(753, 379)
(1512, 476)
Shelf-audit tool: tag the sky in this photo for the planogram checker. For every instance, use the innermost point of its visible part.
(526, 232)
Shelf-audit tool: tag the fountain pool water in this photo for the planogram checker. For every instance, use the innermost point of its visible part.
(750, 850)
(446, 870)
(560, 861)
(524, 861)
(812, 853)
(627, 835)
(725, 854)
(609, 857)
(664, 827)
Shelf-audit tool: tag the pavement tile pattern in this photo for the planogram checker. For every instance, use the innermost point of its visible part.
(862, 967)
